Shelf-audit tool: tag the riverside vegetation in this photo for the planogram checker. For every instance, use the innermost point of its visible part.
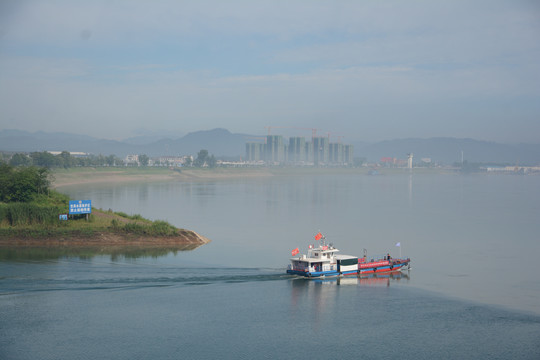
(29, 213)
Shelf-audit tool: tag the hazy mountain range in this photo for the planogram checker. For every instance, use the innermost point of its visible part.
(223, 143)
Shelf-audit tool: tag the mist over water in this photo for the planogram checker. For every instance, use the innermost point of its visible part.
(471, 292)
(468, 236)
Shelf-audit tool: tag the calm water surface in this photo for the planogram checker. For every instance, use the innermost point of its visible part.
(472, 292)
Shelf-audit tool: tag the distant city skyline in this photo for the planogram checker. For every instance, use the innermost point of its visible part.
(367, 71)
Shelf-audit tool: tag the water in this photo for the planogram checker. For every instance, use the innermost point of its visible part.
(472, 292)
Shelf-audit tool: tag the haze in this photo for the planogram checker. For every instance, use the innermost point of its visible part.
(367, 70)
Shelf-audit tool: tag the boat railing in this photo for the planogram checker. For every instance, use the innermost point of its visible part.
(372, 258)
(298, 268)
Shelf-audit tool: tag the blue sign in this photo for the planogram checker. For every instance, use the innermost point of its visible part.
(80, 207)
(63, 217)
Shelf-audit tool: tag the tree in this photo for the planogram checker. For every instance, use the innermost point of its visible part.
(144, 159)
(201, 159)
(212, 161)
(66, 159)
(20, 160)
(101, 160)
(44, 158)
(111, 160)
(22, 184)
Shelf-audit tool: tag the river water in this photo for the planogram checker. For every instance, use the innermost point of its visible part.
(472, 291)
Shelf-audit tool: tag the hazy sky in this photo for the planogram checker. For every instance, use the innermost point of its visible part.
(366, 70)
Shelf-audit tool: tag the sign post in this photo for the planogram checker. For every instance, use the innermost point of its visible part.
(80, 207)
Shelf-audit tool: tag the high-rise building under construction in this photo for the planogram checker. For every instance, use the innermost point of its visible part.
(275, 149)
(320, 150)
(297, 150)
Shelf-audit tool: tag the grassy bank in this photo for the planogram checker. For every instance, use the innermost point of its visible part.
(100, 222)
(30, 215)
(37, 223)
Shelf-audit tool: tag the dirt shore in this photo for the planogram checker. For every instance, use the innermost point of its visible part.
(74, 177)
(107, 239)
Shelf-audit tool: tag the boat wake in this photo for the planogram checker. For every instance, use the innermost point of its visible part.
(181, 277)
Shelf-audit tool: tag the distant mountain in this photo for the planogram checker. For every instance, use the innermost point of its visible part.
(221, 142)
(143, 140)
(15, 140)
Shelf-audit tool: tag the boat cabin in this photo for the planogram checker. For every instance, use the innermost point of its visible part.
(324, 260)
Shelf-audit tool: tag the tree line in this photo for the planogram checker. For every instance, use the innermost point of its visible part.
(66, 160)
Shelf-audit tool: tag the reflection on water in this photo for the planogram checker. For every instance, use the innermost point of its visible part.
(322, 297)
(365, 280)
(88, 252)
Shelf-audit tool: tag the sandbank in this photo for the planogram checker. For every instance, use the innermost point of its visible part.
(82, 176)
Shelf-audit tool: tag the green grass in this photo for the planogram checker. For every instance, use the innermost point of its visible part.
(39, 216)
(132, 217)
(112, 223)
(43, 210)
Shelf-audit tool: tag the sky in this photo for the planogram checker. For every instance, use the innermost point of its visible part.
(360, 70)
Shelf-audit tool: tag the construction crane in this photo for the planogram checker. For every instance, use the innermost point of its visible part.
(276, 127)
(313, 131)
(339, 137)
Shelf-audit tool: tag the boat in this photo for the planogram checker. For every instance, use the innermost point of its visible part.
(325, 260)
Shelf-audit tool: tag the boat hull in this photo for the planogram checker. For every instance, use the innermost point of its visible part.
(363, 269)
(317, 274)
(376, 269)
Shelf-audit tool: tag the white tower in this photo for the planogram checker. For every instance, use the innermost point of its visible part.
(409, 161)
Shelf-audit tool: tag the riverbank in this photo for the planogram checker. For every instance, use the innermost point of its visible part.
(190, 240)
(104, 228)
(120, 175)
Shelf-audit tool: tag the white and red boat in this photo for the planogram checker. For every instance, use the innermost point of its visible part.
(324, 260)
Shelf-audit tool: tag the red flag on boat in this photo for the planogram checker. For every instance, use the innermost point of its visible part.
(318, 236)
(295, 251)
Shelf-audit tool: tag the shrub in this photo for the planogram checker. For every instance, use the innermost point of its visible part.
(122, 214)
(115, 224)
(22, 184)
(162, 228)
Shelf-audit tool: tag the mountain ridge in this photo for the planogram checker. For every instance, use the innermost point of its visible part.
(222, 143)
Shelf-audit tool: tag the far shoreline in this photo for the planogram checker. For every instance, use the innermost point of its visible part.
(119, 175)
(122, 175)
